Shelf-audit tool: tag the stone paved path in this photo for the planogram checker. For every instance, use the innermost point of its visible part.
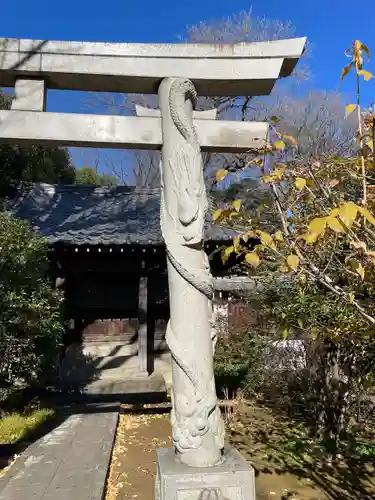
(69, 463)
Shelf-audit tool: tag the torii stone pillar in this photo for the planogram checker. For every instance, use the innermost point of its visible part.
(198, 430)
(198, 467)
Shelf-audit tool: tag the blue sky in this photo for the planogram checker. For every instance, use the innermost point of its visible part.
(330, 25)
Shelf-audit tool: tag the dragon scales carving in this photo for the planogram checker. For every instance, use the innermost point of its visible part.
(195, 413)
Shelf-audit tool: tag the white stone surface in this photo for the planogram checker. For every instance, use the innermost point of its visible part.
(289, 48)
(197, 426)
(221, 320)
(289, 355)
(240, 69)
(30, 95)
(208, 114)
(69, 129)
(233, 479)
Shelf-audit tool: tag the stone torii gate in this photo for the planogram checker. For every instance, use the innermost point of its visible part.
(199, 466)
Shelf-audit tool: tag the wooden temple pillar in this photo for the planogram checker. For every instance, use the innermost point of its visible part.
(142, 320)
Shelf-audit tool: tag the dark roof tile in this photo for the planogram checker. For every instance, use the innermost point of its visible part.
(89, 215)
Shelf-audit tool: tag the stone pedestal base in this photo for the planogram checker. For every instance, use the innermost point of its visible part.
(234, 479)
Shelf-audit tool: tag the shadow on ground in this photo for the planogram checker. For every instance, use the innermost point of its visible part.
(282, 451)
(65, 400)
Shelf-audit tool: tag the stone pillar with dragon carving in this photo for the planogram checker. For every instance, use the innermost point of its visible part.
(197, 426)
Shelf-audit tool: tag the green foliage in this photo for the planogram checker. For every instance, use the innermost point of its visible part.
(89, 175)
(238, 362)
(306, 308)
(15, 427)
(30, 321)
(340, 348)
(364, 450)
(20, 165)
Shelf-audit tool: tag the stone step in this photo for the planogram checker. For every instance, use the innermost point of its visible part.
(109, 361)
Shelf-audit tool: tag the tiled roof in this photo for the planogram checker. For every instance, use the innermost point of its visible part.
(89, 215)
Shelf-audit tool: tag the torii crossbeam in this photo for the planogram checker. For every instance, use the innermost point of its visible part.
(215, 69)
(33, 66)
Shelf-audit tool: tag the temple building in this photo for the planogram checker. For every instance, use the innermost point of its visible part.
(107, 253)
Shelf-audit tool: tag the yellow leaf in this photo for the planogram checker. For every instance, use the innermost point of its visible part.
(290, 139)
(349, 109)
(372, 254)
(348, 213)
(310, 237)
(237, 205)
(246, 236)
(236, 243)
(217, 214)
(300, 183)
(361, 271)
(359, 245)
(268, 178)
(358, 53)
(335, 225)
(252, 258)
(234, 214)
(255, 161)
(366, 74)
(300, 323)
(266, 238)
(357, 266)
(293, 261)
(317, 225)
(279, 145)
(226, 254)
(279, 236)
(278, 173)
(366, 213)
(221, 174)
(274, 119)
(346, 70)
(365, 49)
(285, 333)
(314, 333)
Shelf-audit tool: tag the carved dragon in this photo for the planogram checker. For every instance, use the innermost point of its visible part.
(202, 414)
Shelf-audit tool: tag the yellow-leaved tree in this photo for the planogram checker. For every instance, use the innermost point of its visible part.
(325, 245)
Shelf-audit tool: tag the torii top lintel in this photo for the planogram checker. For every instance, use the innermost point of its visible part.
(219, 70)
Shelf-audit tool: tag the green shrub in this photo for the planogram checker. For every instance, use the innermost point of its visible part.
(340, 355)
(15, 427)
(239, 362)
(30, 309)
